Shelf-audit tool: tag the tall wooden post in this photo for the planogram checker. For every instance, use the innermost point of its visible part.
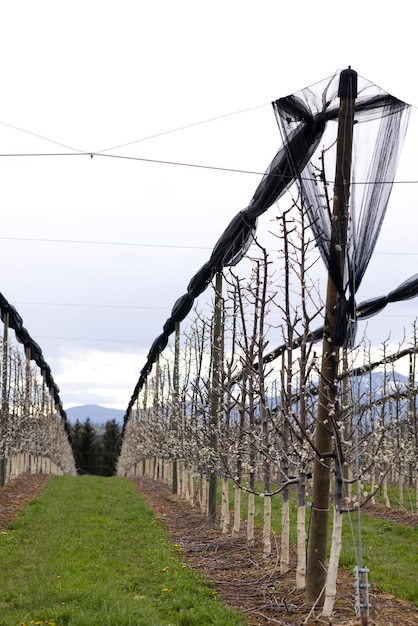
(145, 421)
(28, 383)
(176, 404)
(316, 572)
(4, 401)
(155, 414)
(412, 412)
(215, 399)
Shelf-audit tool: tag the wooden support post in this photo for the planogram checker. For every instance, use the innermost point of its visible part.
(176, 405)
(215, 400)
(28, 383)
(327, 396)
(4, 401)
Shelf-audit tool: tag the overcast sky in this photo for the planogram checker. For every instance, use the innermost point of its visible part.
(95, 251)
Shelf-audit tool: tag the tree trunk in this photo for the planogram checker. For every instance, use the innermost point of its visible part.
(400, 484)
(191, 488)
(250, 518)
(203, 494)
(331, 582)
(301, 535)
(186, 483)
(285, 541)
(267, 527)
(237, 511)
(385, 491)
(180, 484)
(349, 487)
(372, 483)
(416, 491)
(225, 515)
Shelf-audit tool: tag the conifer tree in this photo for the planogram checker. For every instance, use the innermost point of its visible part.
(85, 447)
(76, 431)
(108, 449)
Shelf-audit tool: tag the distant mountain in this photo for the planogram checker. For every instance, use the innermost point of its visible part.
(97, 414)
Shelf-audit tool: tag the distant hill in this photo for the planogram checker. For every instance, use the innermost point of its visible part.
(97, 414)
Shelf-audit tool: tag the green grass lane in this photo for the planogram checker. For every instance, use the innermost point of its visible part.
(89, 552)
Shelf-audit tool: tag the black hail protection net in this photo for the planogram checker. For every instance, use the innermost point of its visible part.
(380, 123)
(308, 123)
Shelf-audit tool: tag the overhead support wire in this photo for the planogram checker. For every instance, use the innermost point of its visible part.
(234, 170)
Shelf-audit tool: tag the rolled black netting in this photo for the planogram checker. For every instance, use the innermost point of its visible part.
(15, 322)
(308, 122)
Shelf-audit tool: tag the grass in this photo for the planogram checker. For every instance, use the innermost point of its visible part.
(89, 552)
(409, 496)
(389, 550)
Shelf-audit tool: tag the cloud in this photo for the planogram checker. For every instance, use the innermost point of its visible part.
(92, 376)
